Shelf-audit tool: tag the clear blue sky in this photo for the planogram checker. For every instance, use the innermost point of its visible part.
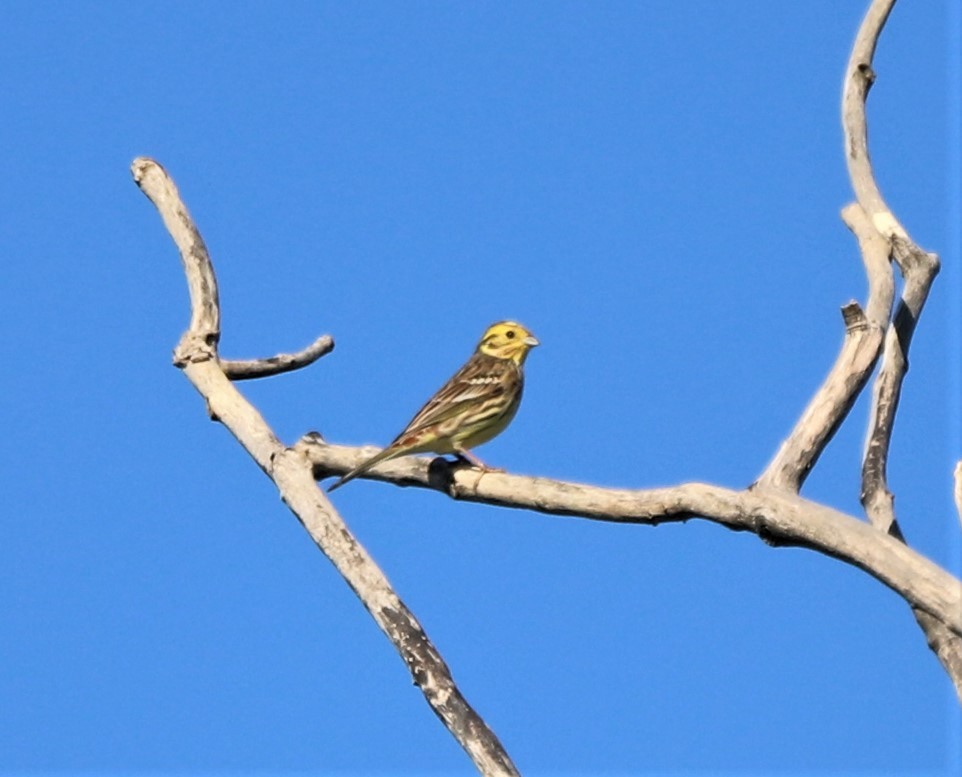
(653, 188)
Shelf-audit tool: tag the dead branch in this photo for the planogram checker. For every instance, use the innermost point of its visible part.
(918, 269)
(778, 517)
(197, 355)
(829, 407)
(859, 78)
(275, 365)
(875, 496)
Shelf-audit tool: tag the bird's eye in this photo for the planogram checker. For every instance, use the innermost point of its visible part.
(510, 334)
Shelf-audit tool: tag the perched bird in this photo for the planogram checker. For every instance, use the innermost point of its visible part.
(474, 406)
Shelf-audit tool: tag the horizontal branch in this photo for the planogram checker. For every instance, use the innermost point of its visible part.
(778, 517)
(247, 369)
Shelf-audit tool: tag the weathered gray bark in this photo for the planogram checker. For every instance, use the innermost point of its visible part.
(196, 354)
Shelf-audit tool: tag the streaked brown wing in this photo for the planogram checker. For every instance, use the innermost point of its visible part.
(481, 380)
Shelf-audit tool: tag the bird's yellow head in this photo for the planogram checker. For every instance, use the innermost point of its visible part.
(507, 340)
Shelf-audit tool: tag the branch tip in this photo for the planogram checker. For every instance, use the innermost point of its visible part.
(853, 316)
(249, 369)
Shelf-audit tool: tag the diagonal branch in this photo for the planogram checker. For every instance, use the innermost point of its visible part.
(863, 340)
(778, 517)
(197, 355)
(829, 407)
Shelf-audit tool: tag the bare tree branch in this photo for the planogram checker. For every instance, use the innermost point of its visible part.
(778, 517)
(201, 282)
(863, 340)
(828, 408)
(918, 270)
(275, 365)
(918, 267)
(197, 355)
(876, 254)
(945, 643)
(859, 78)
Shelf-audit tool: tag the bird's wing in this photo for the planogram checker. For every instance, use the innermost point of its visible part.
(482, 379)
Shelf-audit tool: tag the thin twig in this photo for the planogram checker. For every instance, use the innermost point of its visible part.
(247, 369)
(292, 475)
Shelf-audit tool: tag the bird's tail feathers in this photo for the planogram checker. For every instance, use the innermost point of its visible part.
(362, 468)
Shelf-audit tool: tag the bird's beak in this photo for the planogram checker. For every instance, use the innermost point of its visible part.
(531, 341)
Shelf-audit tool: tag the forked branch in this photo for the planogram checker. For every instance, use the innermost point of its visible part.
(860, 351)
(918, 269)
(197, 355)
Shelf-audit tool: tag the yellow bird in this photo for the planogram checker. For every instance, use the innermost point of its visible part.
(474, 406)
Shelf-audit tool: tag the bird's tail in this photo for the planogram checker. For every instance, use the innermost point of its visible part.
(363, 467)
